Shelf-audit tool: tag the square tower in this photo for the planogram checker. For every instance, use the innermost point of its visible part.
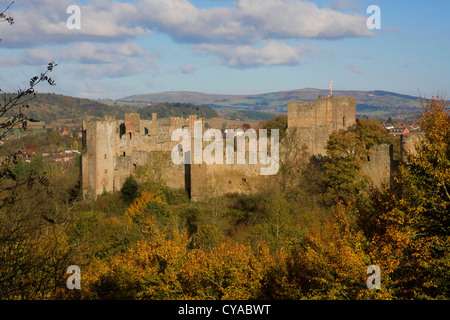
(315, 121)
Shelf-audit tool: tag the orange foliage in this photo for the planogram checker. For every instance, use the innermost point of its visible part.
(139, 204)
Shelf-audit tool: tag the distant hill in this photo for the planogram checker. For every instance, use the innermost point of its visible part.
(371, 104)
(60, 109)
(55, 108)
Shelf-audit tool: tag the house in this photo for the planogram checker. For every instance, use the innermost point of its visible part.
(64, 132)
(399, 131)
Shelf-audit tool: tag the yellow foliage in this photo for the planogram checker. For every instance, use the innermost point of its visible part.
(140, 203)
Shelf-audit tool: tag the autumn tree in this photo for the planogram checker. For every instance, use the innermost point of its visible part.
(33, 250)
(130, 189)
(408, 225)
(161, 266)
(328, 263)
(280, 122)
(346, 151)
(292, 160)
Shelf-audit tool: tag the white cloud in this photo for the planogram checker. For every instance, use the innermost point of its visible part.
(37, 56)
(245, 56)
(250, 20)
(250, 33)
(94, 60)
(39, 22)
(300, 19)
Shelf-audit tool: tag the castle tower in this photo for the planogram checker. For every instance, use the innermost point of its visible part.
(98, 159)
(132, 124)
(315, 121)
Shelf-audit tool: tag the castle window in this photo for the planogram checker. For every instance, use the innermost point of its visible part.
(122, 129)
(105, 156)
(344, 122)
(146, 130)
(130, 135)
(124, 153)
(368, 158)
(106, 171)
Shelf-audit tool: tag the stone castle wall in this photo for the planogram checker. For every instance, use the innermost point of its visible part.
(113, 149)
(315, 121)
(408, 143)
(379, 165)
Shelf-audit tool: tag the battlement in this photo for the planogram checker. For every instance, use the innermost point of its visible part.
(315, 121)
(112, 149)
(334, 112)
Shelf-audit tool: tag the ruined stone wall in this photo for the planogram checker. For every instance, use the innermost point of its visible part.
(214, 180)
(407, 143)
(178, 122)
(146, 127)
(218, 179)
(379, 165)
(113, 149)
(132, 124)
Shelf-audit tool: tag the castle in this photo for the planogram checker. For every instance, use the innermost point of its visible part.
(113, 149)
(315, 121)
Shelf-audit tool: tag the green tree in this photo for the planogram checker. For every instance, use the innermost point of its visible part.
(280, 122)
(390, 121)
(292, 160)
(408, 225)
(130, 189)
(346, 151)
(33, 247)
(277, 224)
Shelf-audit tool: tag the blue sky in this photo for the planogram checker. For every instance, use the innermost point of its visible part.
(227, 46)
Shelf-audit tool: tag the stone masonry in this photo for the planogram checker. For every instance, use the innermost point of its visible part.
(112, 149)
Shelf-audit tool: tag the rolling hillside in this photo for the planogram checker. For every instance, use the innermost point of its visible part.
(56, 109)
(371, 104)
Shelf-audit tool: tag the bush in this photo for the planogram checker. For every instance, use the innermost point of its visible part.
(130, 190)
